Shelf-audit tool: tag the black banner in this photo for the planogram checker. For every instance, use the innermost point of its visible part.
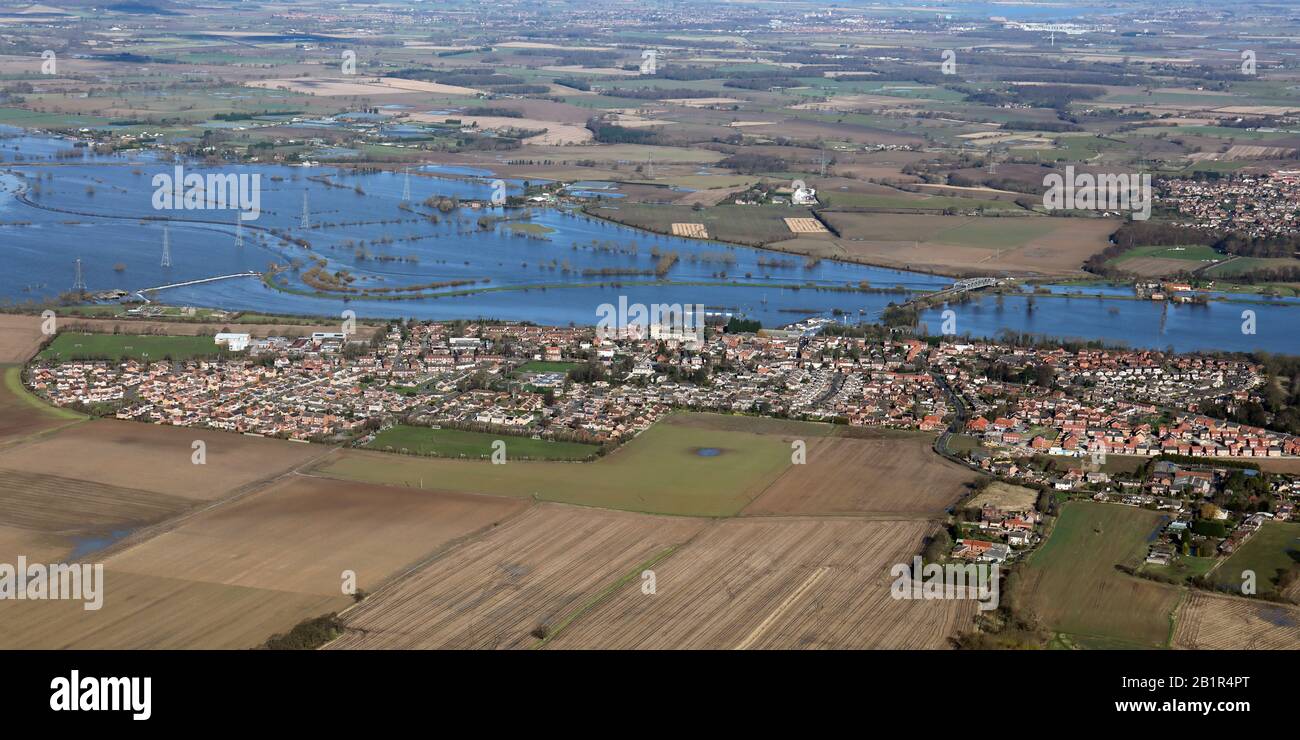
(348, 690)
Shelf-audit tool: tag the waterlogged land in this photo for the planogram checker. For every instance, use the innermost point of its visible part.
(364, 249)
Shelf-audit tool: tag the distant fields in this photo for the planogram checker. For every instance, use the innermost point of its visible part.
(123, 346)
(1045, 245)
(459, 443)
(753, 225)
(1071, 582)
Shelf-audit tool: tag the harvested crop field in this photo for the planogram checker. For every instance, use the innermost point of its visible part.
(1026, 244)
(692, 231)
(1213, 622)
(20, 337)
(157, 458)
(517, 584)
(53, 503)
(231, 576)
(794, 583)
(805, 226)
(893, 475)
(23, 415)
(300, 535)
(156, 612)
(36, 546)
(1071, 582)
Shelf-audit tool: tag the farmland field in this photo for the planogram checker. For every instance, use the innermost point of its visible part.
(20, 337)
(516, 585)
(52, 503)
(300, 534)
(1041, 245)
(460, 443)
(1072, 585)
(1245, 265)
(1276, 546)
(1214, 622)
(1160, 260)
(23, 415)
(37, 547)
(231, 576)
(776, 583)
(157, 458)
(896, 474)
(661, 472)
(158, 612)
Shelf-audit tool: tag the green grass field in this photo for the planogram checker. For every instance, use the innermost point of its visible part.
(658, 472)
(1183, 568)
(1198, 253)
(1071, 583)
(1244, 265)
(460, 443)
(119, 346)
(542, 366)
(1276, 545)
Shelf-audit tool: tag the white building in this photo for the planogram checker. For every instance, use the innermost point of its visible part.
(804, 197)
(233, 342)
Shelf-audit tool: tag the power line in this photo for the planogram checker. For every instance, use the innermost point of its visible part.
(79, 284)
(306, 212)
